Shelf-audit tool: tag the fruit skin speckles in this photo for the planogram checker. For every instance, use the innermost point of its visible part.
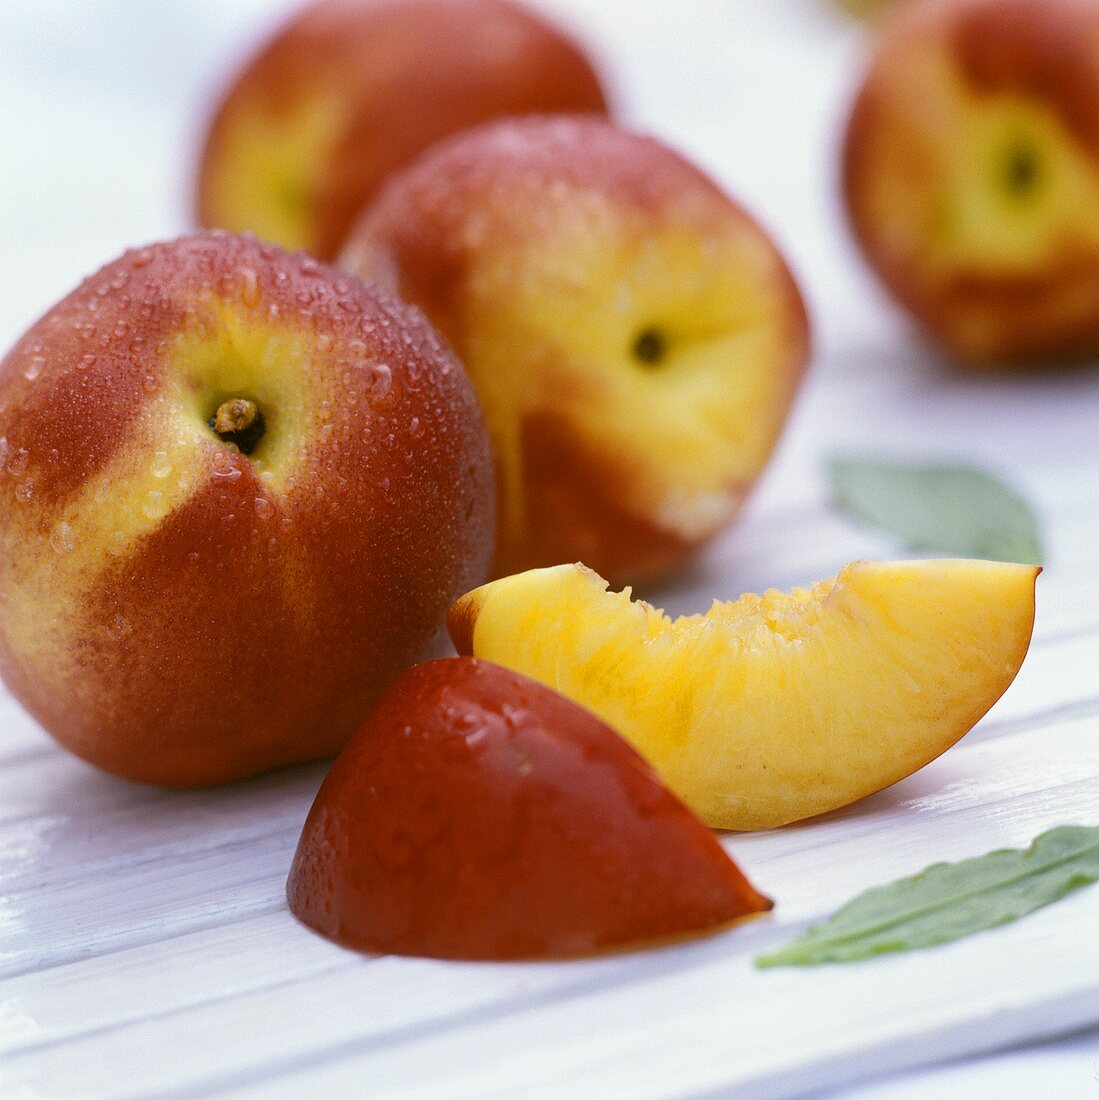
(479, 815)
(269, 597)
(635, 338)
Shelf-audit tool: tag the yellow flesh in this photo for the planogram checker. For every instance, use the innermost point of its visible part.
(551, 324)
(773, 708)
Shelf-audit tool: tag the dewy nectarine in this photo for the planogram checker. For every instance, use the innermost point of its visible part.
(971, 174)
(479, 815)
(238, 490)
(349, 90)
(634, 337)
(771, 708)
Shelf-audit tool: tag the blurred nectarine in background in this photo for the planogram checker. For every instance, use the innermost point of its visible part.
(634, 337)
(971, 174)
(238, 490)
(349, 90)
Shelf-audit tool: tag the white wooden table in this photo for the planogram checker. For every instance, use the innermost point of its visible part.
(145, 946)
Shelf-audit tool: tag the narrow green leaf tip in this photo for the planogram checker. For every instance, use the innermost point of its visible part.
(947, 901)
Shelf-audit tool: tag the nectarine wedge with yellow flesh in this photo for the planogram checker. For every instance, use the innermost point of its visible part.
(769, 709)
(478, 815)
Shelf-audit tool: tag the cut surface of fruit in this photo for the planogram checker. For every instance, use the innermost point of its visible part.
(773, 708)
(478, 815)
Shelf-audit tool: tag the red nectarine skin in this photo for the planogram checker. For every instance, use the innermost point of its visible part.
(388, 78)
(1038, 52)
(480, 815)
(177, 612)
(509, 211)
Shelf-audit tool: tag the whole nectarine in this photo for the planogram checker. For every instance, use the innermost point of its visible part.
(479, 815)
(238, 490)
(635, 338)
(349, 90)
(971, 174)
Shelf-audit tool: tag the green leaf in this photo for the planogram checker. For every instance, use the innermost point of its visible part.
(950, 900)
(945, 509)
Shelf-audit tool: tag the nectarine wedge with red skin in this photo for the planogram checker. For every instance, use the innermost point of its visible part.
(238, 491)
(348, 91)
(480, 815)
(635, 338)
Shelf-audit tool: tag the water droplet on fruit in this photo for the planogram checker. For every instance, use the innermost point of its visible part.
(273, 311)
(379, 381)
(4, 448)
(85, 362)
(24, 491)
(249, 287)
(162, 464)
(120, 279)
(324, 342)
(17, 463)
(34, 368)
(142, 257)
(415, 428)
(155, 504)
(116, 544)
(263, 508)
(148, 383)
(63, 538)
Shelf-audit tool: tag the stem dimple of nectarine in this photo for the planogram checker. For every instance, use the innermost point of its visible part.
(239, 421)
(650, 347)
